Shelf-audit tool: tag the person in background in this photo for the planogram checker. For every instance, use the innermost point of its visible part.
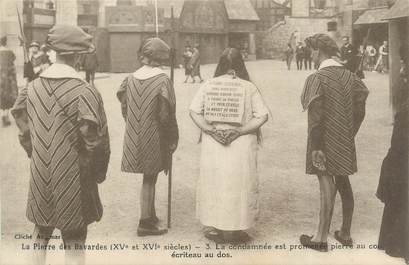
(187, 55)
(44, 57)
(194, 64)
(335, 99)
(68, 147)
(32, 67)
(307, 57)
(90, 65)
(393, 182)
(371, 53)
(8, 81)
(227, 189)
(299, 55)
(50, 54)
(384, 54)
(289, 55)
(349, 55)
(148, 106)
(314, 54)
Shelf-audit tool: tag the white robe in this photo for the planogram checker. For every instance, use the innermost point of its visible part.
(227, 188)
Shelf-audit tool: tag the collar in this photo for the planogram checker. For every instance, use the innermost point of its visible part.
(328, 62)
(58, 70)
(146, 72)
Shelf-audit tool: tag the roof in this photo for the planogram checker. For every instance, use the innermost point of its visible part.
(372, 16)
(240, 10)
(166, 5)
(398, 10)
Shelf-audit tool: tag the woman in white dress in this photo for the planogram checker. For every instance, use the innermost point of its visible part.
(227, 189)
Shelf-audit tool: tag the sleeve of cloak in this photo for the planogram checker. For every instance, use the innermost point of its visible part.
(121, 94)
(20, 115)
(167, 113)
(315, 118)
(94, 133)
(360, 94)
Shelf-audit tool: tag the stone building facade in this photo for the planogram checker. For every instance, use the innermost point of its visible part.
(214, 25)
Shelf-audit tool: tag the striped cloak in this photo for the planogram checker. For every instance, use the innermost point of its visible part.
(342, 97)
(148, 106)
(63, 129)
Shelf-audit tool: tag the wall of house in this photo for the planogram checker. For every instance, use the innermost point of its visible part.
(300, 28)
(398, 36)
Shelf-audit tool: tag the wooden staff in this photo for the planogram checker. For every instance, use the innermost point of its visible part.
(172, 78)
(22, 37)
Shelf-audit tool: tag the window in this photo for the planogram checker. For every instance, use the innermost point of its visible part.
(86, 9)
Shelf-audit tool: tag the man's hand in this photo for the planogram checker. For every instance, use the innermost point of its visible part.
(219, 137)
(172, 147)
(319, 160)
(231, 135)
(215, 134)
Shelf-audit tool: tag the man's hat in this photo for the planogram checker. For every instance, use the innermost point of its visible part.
(67, 39)
(34, 44)
(155, 50)
(323, 42)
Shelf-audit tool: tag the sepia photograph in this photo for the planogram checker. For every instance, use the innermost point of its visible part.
(237, 132)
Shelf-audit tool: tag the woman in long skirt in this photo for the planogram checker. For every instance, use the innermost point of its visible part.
(227, 189)
(187, 55)
(148, 106)
(8, 81)
(393, 182)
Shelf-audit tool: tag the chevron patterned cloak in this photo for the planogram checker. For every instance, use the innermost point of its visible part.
(342, 95)
(54, 116)
(148, 106)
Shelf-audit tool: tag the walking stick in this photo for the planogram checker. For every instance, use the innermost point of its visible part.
(172, 78)
(22, 37)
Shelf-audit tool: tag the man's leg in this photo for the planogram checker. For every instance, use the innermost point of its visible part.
(148, 213)
(327, 199)
(347, 197)
(70, 238)
(41, 237)
(5, 118)
(87, 76)
(153, 209)
(147, 196)
(92, 77)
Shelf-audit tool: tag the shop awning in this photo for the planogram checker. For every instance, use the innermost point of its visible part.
(372, 16)
(398, 10)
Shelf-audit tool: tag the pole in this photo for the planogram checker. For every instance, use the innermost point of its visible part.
(156, 18)
(23, 37)
(172, 78)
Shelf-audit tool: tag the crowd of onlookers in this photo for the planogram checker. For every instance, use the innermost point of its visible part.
(303, 56)
(373, 57)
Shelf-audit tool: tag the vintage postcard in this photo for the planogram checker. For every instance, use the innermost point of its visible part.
(204, 132)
